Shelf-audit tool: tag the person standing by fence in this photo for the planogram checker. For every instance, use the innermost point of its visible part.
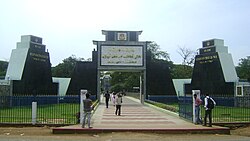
(87, 110)
(198, 102)
(209, 105)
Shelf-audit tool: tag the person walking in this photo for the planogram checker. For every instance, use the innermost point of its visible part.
(198, 102)
(113, 98)
(107, 98)
(209, 105)
(118, 104)
(87, 110)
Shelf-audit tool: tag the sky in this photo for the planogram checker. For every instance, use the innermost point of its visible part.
(68, 27)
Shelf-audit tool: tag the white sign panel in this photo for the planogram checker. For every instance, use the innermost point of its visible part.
(122, 55)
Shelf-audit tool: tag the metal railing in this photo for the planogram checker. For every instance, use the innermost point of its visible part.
(228, 109)
(49, 109)
(64, 110)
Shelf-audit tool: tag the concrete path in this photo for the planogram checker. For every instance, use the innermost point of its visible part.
(139, 118)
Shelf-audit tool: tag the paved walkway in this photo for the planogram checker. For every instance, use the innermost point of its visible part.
(140, 118)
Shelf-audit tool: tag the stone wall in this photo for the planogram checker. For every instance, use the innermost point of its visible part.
(5, 90)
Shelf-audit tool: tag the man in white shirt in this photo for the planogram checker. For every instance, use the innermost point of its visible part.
(209, 105)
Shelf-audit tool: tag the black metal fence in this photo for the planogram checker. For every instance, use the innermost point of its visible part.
(64, 109)
(185, 107)
(49, 109)
(228, 109)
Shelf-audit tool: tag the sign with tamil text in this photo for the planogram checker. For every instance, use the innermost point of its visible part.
(207, 59)
(122, 55)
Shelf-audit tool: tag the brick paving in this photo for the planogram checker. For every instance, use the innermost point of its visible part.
(134, 115)
(138, 117)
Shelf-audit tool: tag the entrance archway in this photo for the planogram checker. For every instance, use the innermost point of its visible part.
(121, 51)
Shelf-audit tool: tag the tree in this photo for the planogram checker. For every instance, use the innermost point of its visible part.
(243, 69)
(3, 68)
(187, 54)
(65, 69)
(155, 53)
(124, 80)
(181, 71)
(177, 71)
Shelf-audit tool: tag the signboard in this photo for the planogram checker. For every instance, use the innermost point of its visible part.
(208, 43)
(121, 56)
(203, 59)
(207, 50)
(41, 57)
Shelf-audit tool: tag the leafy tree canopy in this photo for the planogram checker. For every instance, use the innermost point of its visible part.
(155, 52)
(181, 71)
(124, 81)
(3, 68)
(243, 69)
(65, 68)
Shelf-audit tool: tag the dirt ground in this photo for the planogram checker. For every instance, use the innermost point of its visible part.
(45, 133)
(242, 131)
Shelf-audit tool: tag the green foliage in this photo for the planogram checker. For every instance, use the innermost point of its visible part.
(154, 51)
(243, 69)
(124, 81)
(66, 68)
(181, 71)
(3, 68)
(133, 80)
(117, 88)
(170, 107)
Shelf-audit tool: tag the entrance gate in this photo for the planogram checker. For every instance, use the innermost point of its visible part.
(121, 51)
(186, 107)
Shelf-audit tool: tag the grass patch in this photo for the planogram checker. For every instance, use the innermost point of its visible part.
(229, 114)
(171, 107)
(221, 114)
(64, 113)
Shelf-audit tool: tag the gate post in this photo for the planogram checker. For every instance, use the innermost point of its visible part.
(143, 87)
(198, 93)
(34, 112)
(141, 90)
(98, 94)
